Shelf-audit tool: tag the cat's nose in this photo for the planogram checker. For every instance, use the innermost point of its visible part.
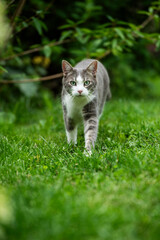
(80, 91)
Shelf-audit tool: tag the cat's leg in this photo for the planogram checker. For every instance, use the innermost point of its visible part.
(70, 126)
(72, 135)
(90, 127)
(90, 132)
(71, 130)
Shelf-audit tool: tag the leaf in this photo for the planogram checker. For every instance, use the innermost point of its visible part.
(24, 24)
(71, 22)
(114, 43)
(65, 34)
(65, 26)
(39, 25)
(129, 35)
(86, 30)
(85, 39)
(151, 10)
(81, 36)
(97, 42)
(47, 51)
(139, 34)
(28, 89)
(101, 50)
(2, 69)
(17, 49)
(129, 42)
(110, 18)
(79, 31)
(106, 44)
(144, 13)
(157, 20)
(158, 45)
(120, 33)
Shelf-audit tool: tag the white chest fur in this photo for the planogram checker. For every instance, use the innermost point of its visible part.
(75, 105)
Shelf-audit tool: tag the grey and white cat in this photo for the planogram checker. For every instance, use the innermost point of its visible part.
(86, 87)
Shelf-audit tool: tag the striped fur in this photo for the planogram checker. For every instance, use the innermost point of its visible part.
(82, 101)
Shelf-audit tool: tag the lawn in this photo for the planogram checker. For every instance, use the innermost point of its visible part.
(50, 190)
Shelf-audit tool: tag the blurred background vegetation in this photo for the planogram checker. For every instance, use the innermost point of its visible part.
(50, 190)
(37, 35)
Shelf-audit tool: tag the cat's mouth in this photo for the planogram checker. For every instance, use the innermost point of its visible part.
(81, 96)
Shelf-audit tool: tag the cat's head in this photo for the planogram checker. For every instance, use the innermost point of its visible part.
(79, 82)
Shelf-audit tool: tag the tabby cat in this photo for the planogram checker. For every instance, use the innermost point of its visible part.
(85, 89)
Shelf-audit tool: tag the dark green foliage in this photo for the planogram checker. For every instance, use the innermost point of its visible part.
(133, 80)
(93, 29)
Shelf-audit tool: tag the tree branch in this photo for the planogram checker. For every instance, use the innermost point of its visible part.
(36, 49)
(108, 52)
(58, 75)
(148, 20)
(17, 12)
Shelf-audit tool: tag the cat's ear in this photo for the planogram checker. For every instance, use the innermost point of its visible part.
(66, 67)
(93, 67)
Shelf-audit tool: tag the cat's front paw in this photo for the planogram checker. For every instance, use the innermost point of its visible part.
(87, 153)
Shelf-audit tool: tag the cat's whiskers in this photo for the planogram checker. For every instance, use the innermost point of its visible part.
(89, 97)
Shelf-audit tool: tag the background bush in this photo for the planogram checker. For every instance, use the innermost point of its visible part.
(123, 35)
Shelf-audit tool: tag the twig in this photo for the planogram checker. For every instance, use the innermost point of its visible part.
(10, 3)
(104, 54)
(17, 12)
(58, 75)
(36, 49)
(148, 20)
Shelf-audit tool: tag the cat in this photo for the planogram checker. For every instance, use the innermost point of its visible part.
(86, 87)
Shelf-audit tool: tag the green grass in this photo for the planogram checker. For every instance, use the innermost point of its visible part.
(50, 190)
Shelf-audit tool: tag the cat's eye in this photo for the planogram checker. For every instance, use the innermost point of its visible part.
(86, 83)
(73, 83)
